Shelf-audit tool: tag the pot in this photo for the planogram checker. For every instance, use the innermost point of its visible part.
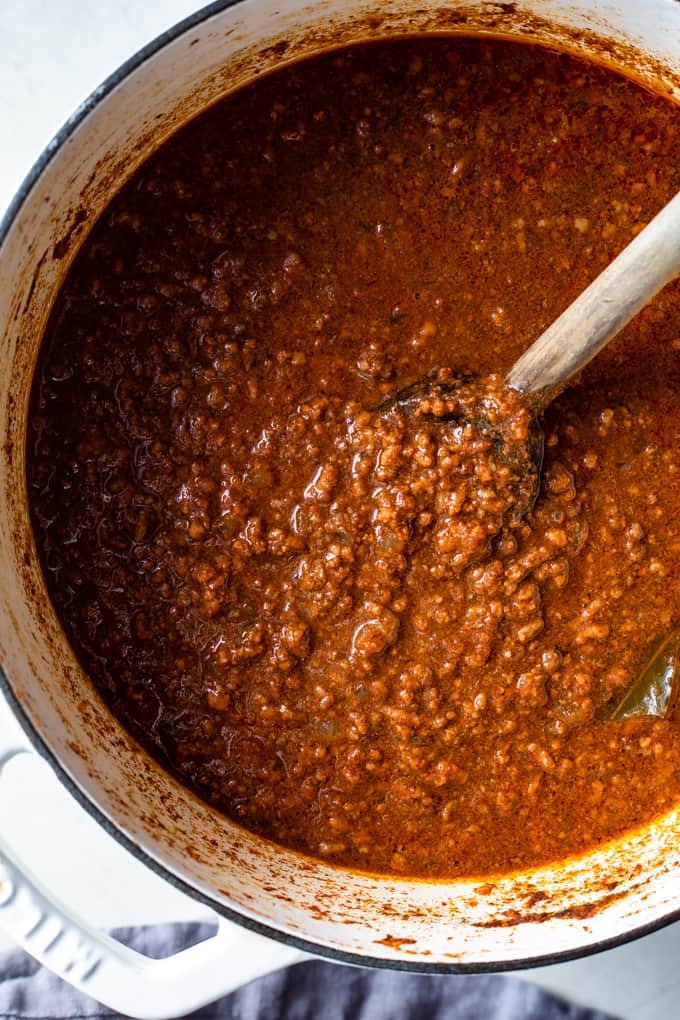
(285, 905)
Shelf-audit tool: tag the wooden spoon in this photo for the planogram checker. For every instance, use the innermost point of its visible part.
(648, 263)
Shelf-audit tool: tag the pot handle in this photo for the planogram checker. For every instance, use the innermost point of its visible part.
(98, 965)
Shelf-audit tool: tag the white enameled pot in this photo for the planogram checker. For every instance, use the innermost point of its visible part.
(285, 906)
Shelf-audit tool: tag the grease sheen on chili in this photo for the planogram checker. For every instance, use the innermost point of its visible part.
(323, 613)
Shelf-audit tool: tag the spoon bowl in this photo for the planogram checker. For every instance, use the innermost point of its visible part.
(487, 406)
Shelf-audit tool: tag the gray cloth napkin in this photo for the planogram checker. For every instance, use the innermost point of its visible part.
(307, 991)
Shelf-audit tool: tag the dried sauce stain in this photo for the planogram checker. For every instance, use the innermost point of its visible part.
(393, 942)
(533, 898)
(34, 281)
(322, 614)
(577, 912)
(64, 245)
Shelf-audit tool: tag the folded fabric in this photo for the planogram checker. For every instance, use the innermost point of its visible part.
(314, 990)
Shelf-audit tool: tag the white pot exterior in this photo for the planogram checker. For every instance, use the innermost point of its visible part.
(518, 920)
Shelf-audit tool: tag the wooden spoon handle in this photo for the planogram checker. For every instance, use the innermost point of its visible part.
(647, 264)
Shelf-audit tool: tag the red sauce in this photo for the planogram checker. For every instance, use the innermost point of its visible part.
(333, 615)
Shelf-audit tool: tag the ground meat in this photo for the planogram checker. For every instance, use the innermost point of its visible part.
(335, 601)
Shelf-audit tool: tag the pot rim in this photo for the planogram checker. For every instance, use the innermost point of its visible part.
(148, 51)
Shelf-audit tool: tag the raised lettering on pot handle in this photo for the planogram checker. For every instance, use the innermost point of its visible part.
(95, 963)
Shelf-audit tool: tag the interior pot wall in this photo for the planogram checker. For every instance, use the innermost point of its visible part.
(559, 909)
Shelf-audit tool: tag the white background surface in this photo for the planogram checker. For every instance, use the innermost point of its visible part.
(52, 54)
